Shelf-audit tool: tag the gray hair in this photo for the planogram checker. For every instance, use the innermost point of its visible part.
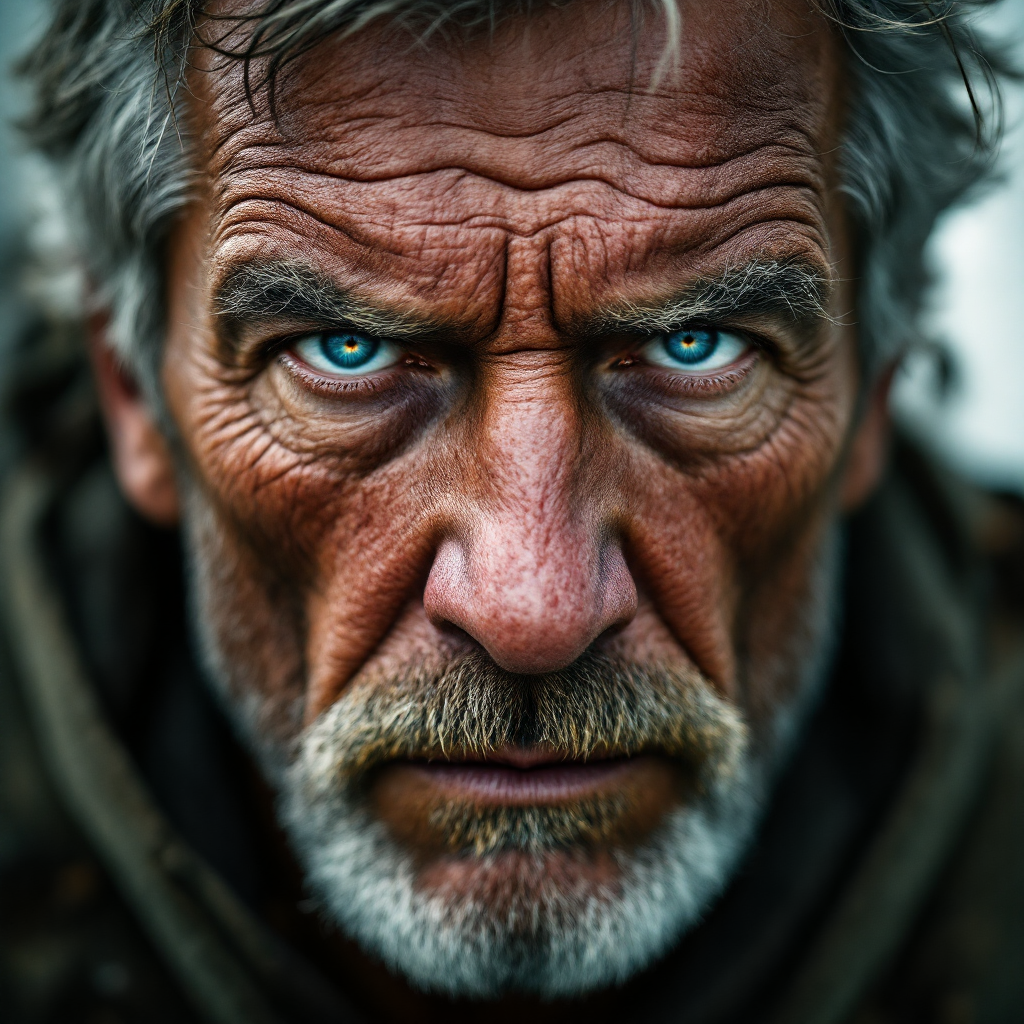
(109, 96)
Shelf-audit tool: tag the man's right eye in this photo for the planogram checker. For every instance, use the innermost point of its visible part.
(346, 353)
(696, 350)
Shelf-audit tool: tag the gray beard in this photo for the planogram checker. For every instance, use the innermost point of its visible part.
(556, 939)
(552, 935)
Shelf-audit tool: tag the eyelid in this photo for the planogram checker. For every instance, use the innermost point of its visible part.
(309, 349)
(728, 347)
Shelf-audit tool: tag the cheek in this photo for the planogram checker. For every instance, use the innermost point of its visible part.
(686, 571)
(291, 477)
(728, 546)
(762, 494)
(249, 622)
(316, 544)
(760, 497)
(787, 617)
(300, 575)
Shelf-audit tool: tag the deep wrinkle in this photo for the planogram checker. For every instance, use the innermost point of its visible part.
(514, 493)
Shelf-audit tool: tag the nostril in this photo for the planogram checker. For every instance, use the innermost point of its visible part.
(446, 591)
(532, 653)
(619, 598)
(611, 632)
(457, 638)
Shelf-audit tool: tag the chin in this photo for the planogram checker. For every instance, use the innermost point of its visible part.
(556, 922)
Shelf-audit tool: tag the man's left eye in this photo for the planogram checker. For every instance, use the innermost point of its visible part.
(346, 353)
(695, 350)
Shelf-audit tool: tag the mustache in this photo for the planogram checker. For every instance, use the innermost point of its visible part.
(595, 708)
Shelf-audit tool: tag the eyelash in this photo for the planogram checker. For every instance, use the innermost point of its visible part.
(695, 384)
(698, 385)
(689, 383)
(339, 385)
(713, 382)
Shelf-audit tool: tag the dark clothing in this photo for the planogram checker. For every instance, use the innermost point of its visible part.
(887, 883)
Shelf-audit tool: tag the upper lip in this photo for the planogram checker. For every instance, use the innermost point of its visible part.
(527, 757)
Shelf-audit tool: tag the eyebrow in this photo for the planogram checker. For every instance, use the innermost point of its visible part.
(292, 291)
(794, 291)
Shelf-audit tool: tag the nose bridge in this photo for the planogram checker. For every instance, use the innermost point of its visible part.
(533, 571)
(533, 537)
(530, 443)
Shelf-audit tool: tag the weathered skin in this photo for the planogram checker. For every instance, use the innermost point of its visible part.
(515, 485)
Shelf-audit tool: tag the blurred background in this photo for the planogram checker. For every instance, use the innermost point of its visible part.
(976, 309)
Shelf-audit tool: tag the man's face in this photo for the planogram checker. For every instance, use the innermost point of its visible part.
(512, 406)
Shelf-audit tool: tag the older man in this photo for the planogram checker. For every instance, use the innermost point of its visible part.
(514, 376)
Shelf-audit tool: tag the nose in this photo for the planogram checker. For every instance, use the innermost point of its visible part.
(532, 609)
(533, 570)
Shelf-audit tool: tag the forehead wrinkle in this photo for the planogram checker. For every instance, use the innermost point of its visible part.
(680, 137)
(519, 213)
(422, 273)
(787, 128)
(774, 100)
(534, 168)
(496, 72)
(586, 229)
(240, 215)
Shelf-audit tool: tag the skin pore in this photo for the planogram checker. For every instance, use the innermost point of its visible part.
(517, 221)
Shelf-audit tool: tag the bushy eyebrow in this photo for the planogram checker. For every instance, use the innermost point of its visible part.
(284, 290)
(795, 292)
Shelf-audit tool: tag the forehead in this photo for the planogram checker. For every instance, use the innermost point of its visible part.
(569, 141)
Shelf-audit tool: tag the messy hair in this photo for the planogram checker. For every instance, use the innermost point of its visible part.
(920, 132)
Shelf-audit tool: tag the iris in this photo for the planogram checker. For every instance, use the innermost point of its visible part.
(343, 353)
(695, 350)
(348, 351)
(691, 345)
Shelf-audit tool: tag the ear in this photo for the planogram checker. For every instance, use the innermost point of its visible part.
(142, 458)
(869, 447)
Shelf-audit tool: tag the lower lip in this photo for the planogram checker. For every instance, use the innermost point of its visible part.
(543, 784)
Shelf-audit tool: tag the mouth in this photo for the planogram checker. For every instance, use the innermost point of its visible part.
(518, 798)
(523, 778)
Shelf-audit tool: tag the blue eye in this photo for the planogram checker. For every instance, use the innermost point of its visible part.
(346, 353)
(695, 349)
(691, 346)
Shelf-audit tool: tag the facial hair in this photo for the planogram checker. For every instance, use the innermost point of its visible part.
(527, 914)
(528, 911)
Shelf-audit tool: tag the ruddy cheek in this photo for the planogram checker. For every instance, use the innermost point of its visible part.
(792, 474)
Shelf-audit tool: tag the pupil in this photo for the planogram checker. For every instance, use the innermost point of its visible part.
(349, 350)
(691, 346)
